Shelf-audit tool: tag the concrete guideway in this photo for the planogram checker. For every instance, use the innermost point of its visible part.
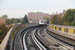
(33, 38)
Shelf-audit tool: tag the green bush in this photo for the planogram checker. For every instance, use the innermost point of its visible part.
(3, 31)
(73, 23)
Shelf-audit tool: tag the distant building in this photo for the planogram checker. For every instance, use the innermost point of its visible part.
(3, 20)
(62, 14)
(47, 15)
(35, 16)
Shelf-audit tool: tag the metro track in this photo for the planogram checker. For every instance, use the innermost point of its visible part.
(38, 38)
(17, 40)
(36, 45)
(50, 42)
(20, 39)
(27, 41)
(48, 45)
(37, 42)
(64, 39)
(43, 42)
(66, 42)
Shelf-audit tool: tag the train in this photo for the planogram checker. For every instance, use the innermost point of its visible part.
(43, 22)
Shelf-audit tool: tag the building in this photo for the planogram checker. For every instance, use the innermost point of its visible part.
(35, 16)
(62, 14)
(3, 20)
(47, 15)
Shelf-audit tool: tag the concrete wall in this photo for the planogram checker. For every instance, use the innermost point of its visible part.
(29, 25)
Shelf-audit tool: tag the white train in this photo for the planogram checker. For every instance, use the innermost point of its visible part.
(42, 21)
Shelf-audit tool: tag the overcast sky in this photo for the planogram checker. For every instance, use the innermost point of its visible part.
(18, 8)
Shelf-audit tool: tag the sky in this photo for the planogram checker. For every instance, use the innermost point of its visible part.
(18, 8)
